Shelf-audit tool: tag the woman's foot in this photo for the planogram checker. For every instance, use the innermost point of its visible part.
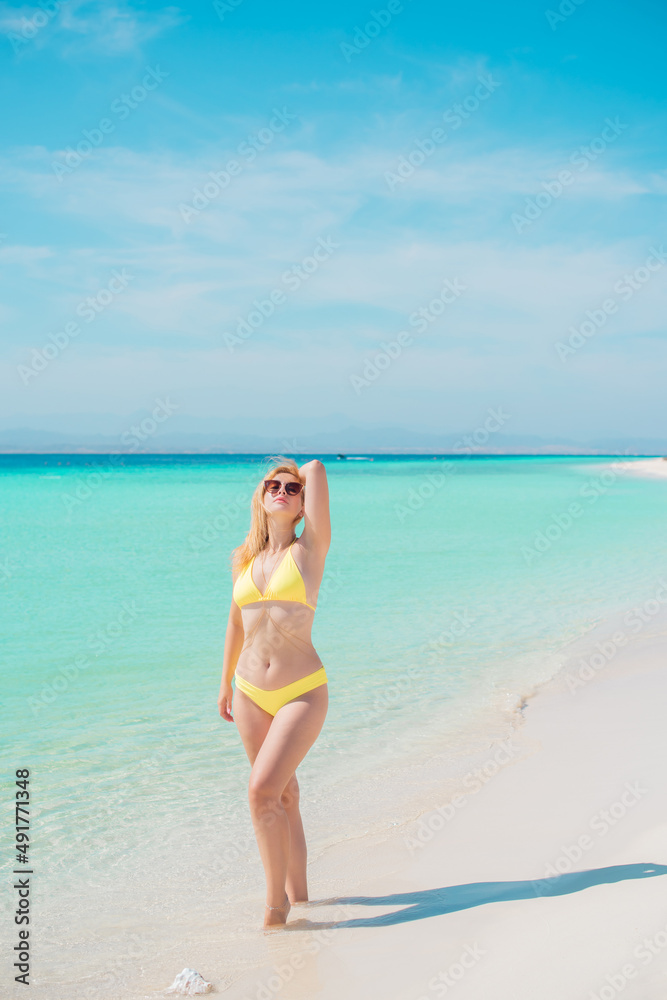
(276, 915)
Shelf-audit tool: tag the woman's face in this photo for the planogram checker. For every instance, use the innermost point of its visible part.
(282, 501)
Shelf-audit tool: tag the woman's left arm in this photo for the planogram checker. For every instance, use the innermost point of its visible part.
(316, 520)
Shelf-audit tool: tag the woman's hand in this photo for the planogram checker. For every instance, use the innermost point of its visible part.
(225, 702)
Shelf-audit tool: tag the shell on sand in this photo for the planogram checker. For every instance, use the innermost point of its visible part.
(190, 983)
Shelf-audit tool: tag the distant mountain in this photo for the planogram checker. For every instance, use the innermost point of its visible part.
(146, 438)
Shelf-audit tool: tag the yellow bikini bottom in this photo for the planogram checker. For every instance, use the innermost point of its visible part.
(271, 701)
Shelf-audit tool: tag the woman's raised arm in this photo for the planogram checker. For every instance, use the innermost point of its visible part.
(316, 520)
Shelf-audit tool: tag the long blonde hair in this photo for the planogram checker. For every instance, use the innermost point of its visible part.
(258, 535)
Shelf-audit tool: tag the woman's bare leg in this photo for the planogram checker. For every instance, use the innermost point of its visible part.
(296, 883)
(254, 725)
(294, 729)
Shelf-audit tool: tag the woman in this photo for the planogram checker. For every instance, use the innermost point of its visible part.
(281, 685)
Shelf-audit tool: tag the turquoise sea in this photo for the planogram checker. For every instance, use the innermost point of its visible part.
(452, 587)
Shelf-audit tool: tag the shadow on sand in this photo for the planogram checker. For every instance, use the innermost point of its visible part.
(449, 899)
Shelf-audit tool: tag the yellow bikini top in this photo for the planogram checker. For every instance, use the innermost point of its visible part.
(286, 584)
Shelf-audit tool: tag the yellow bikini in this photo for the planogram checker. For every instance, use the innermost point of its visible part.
(286, 584)
(271, 701)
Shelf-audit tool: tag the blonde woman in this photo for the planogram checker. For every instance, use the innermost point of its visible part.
(281, 695)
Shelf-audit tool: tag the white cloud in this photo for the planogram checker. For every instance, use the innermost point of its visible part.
(147, 189)
(90, 26)
(192, 282)
(117, 28)
(11, 18)
(17, 254)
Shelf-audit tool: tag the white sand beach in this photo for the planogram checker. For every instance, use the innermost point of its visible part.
(645, 466)
(546, 879)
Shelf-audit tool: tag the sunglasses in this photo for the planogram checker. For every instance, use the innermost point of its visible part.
(273, 486)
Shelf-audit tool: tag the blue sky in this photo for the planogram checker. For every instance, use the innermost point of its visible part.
(319, 172)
